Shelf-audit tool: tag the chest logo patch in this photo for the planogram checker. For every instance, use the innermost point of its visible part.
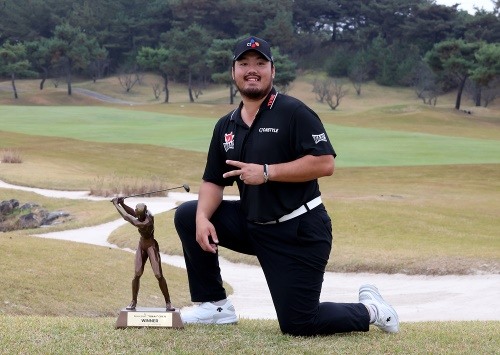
(319, 138)
(268, 130)
(228, 141)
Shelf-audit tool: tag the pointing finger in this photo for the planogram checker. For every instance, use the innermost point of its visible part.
(235, 163)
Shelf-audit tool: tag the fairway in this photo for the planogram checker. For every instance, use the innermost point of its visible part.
(108, 125)
(355, 146)
(368, 147)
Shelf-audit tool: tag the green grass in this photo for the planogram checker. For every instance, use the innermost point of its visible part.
(363, 147)
(419, 181)
(425, 208)
(78, 165)
(79, 335)
(109, 125)
(356, 147)
(48, 277)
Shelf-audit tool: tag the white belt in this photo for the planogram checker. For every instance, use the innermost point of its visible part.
(299, 211)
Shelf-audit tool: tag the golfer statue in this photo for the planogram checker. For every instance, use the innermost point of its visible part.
(143, 219)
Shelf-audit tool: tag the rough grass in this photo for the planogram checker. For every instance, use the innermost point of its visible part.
(446, 211)
(112, 186)
(80, 335)
(378, 196)
(423, 221)
(435, 219)
(75, 165)
(59, 278)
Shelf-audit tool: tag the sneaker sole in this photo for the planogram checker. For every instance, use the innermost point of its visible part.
(210, 314)
(222, 320)
(212, 321)
(227, 321)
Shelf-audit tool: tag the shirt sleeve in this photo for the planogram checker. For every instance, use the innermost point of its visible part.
(216, 160)
(310, 134)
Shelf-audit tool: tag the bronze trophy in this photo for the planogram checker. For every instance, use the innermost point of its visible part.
(133, 316)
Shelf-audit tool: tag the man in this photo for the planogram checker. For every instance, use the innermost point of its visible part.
(148, 247)
(275, 148)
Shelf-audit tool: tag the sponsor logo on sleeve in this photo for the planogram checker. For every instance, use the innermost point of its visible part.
(319, 138)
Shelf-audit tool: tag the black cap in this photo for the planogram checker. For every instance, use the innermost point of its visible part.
(253, 44)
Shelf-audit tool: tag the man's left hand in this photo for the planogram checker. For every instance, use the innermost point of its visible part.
(250, 174)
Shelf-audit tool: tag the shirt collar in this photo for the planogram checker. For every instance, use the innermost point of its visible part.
(267, 104)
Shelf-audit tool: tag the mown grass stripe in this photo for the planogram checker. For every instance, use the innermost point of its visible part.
(356, 147)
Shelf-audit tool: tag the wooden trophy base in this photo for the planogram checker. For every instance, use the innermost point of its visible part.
(149, 317)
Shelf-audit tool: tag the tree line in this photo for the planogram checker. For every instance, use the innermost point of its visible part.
(433, 48)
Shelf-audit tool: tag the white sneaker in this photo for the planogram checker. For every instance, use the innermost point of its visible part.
(209, 313)
(386, 317)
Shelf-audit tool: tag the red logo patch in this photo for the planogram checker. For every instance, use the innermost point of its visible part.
(229, 137)
(228, 141)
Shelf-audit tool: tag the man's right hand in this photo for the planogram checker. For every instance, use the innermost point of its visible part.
(206, 235)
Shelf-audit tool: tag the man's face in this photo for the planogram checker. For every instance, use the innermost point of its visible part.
(253, 75)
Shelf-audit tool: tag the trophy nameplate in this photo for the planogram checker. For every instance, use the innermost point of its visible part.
(149, 317)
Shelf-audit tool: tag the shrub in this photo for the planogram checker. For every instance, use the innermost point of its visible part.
(11, 156)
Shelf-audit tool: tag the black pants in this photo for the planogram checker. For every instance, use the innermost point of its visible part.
(293, 256)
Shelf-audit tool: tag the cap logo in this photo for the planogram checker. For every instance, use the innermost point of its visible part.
(253, 43)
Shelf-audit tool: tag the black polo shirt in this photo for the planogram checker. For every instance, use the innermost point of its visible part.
(284, 130)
